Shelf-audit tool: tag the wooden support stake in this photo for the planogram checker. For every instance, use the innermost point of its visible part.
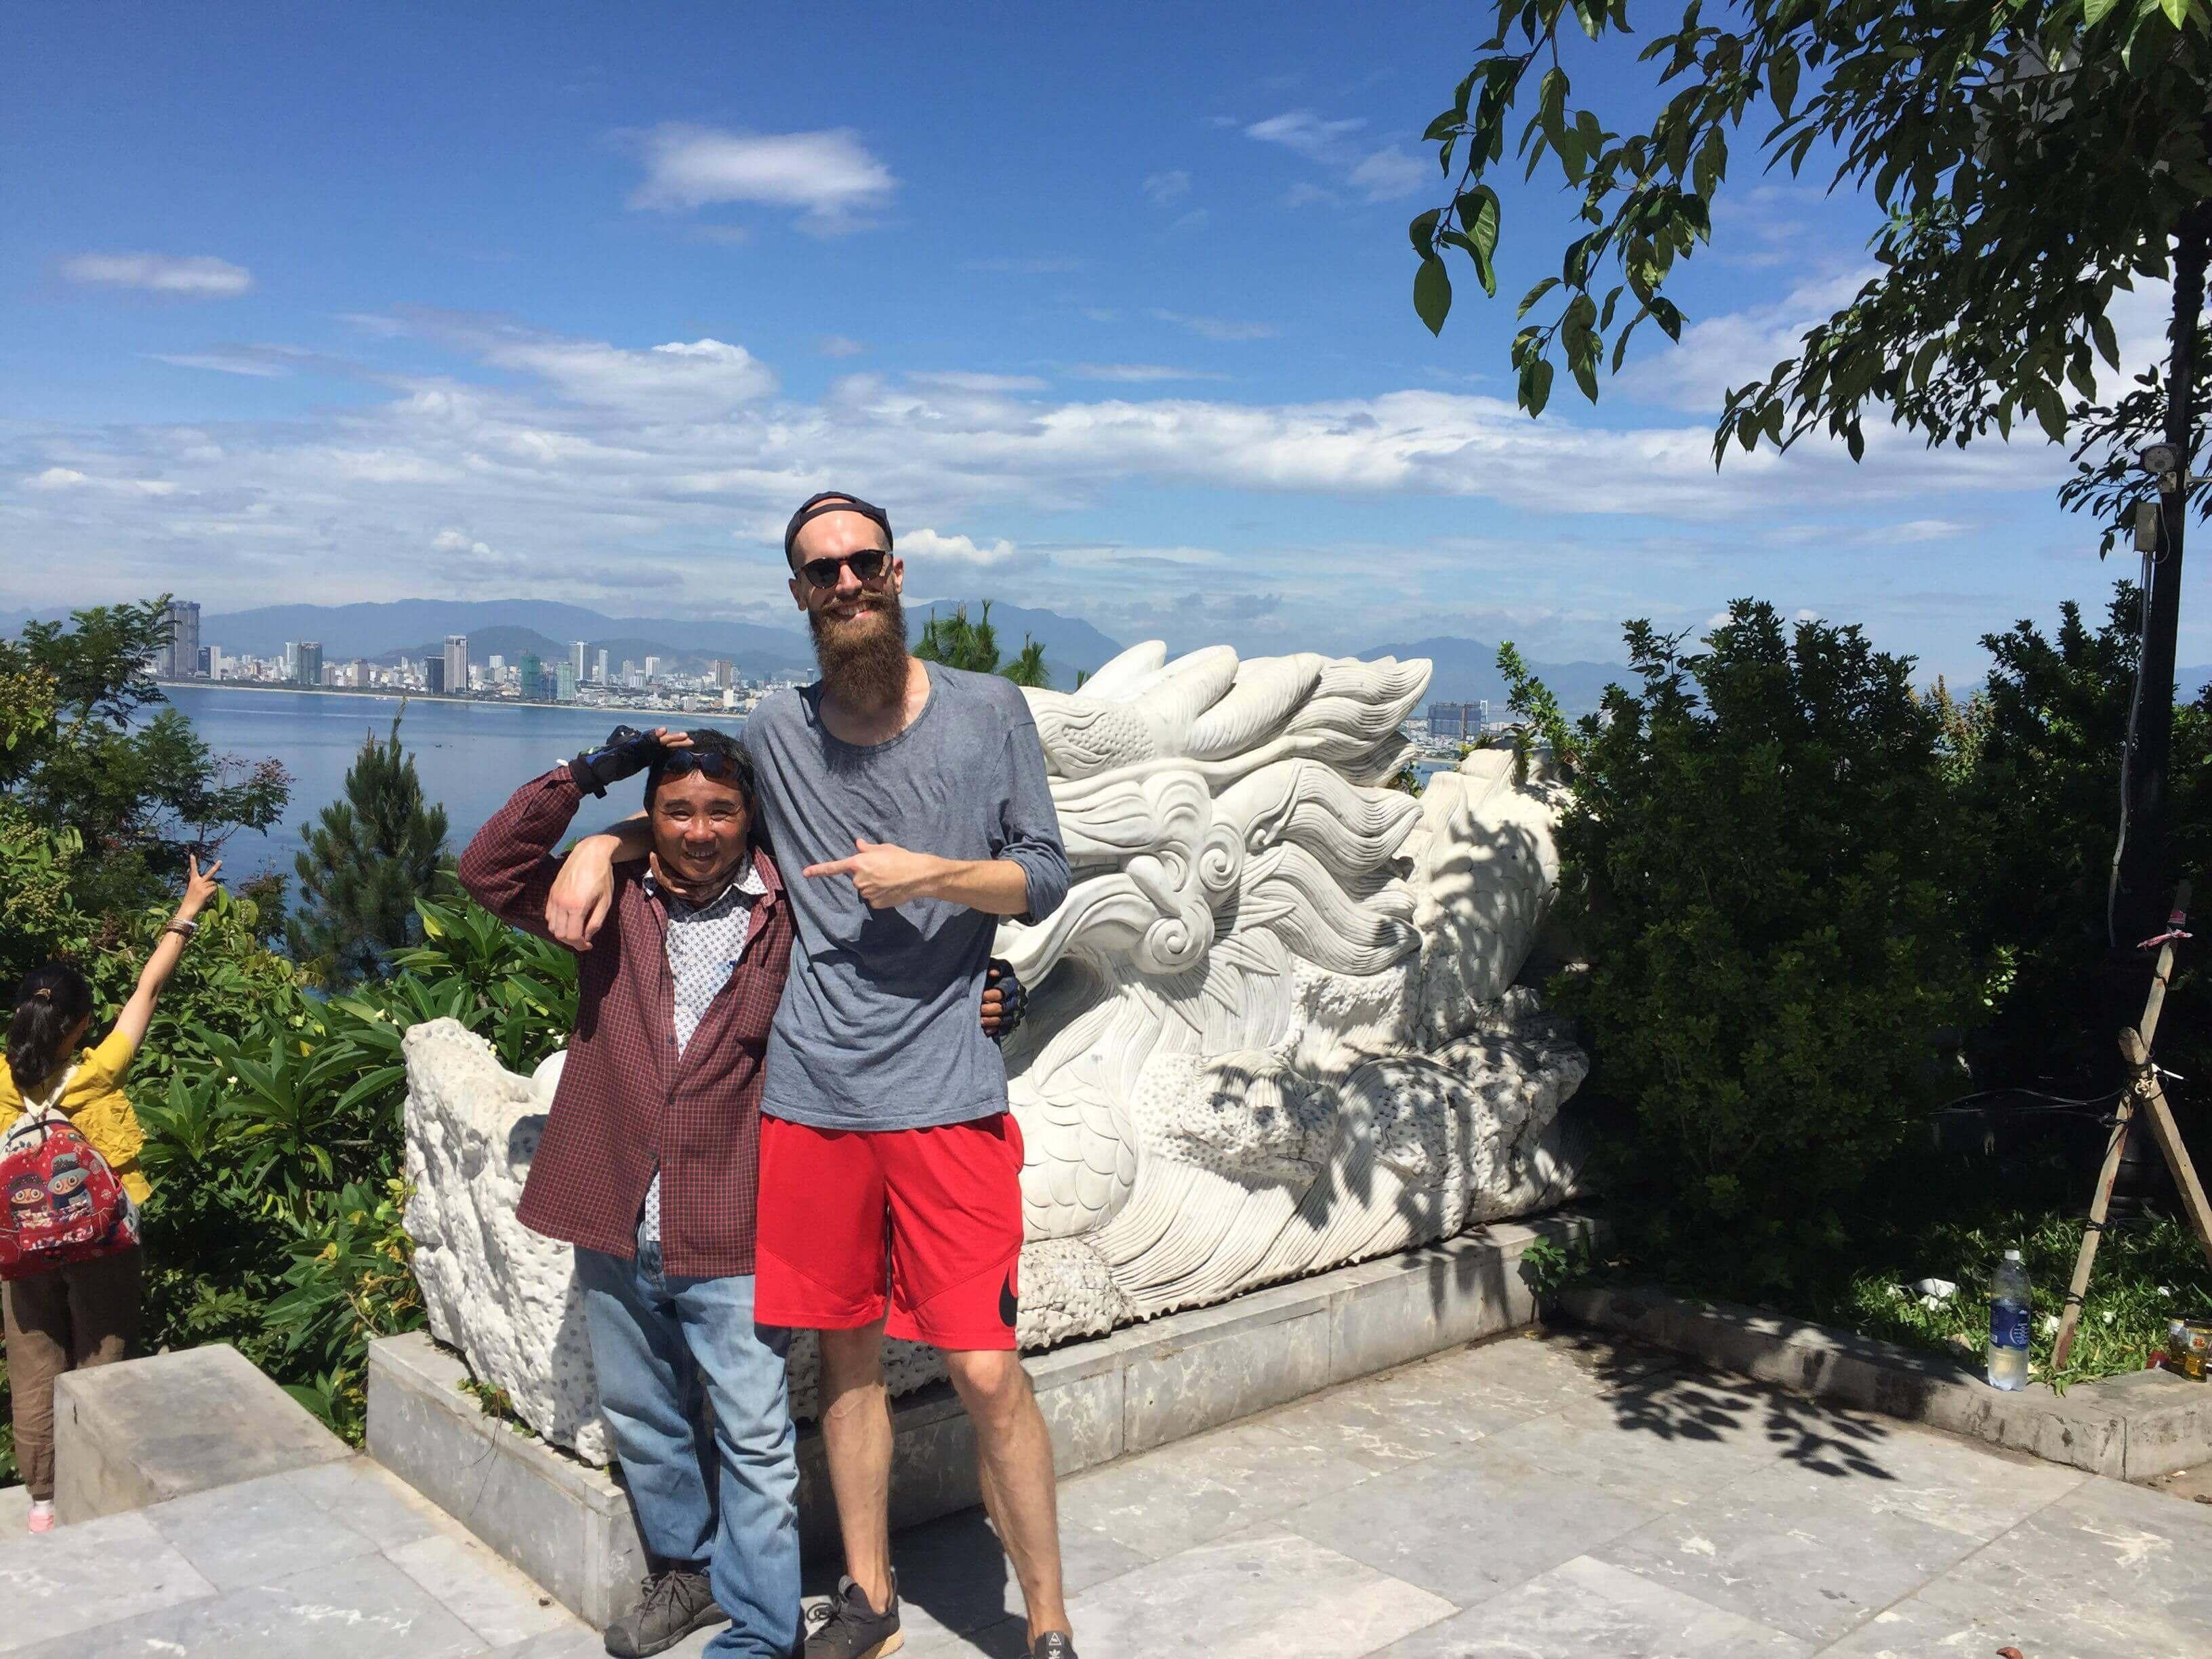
(2134, 1046)
(2163, 1129)
(2093, 1234)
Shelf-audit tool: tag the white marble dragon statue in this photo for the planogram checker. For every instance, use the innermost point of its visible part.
(1272, 1031)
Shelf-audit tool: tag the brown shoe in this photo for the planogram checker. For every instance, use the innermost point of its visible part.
(852, 1629)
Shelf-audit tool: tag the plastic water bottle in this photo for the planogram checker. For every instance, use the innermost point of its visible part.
(2010, 1302)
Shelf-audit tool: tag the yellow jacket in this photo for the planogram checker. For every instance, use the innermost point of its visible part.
(95, 1104)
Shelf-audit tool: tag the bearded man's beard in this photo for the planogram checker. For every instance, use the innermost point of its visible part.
(863, 657)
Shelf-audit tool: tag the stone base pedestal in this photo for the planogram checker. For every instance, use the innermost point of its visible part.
(143, 1431)
(569, 1525)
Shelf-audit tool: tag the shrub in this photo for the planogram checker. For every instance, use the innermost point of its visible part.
(1764, 867)
(2042, 792)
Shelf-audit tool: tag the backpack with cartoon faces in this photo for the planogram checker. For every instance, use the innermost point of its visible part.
(62, 1202)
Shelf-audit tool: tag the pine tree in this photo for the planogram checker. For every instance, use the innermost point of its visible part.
(373, 853)
(958, 642)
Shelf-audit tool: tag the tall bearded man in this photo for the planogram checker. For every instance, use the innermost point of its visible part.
(914, 796)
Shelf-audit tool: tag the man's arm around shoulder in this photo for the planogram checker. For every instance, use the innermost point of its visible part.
(508, 866)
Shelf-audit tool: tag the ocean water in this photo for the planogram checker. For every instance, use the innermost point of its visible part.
(470, 756)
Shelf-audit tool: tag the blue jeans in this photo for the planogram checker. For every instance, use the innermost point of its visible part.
(655, 1341)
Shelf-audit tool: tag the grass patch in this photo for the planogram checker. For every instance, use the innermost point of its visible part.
(1954, 1219)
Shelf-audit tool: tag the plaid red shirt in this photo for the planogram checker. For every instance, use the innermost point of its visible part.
(626, 1100)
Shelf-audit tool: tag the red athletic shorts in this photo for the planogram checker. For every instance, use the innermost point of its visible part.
(920, 1228)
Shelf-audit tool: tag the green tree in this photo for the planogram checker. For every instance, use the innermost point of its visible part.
(1761, 863)
(2031, 158)
(367, 863)
(2038, 799)
(958, 642)
(104, 791)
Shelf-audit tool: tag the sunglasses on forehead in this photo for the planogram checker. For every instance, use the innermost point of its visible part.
(867, 566)
(678, 762)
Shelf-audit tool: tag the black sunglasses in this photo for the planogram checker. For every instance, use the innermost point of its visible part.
(675, 763)
(867, 565)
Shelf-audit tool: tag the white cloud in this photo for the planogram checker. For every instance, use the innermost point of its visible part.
(1139, 374)
(68, 477)
(840, 346)
(1388, 175)
(962, 380)
(604, 462)
(1302, 131)
(1041, 265)
(226, 362)
(673, 380)
(201, 277)
(831, 175)
(1215, 328)
(929, 544)
(1165, 187)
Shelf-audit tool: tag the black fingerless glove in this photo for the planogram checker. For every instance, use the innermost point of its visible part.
(1013, 998)
(627, 752)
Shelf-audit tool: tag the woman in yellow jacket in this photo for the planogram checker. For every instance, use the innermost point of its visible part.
(85, 1313)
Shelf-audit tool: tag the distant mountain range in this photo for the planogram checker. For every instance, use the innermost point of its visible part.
(1466, 670)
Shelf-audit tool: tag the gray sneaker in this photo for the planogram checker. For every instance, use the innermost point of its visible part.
(1054, 1644)
(854, 1630)
(670, 1606)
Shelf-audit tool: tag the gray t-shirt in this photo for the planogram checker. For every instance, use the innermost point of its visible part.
(880, 1024)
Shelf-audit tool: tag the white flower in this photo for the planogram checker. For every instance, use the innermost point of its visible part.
(2050, 1324)
(2107, 1315)
(2167, 1290)
(1932, 1303)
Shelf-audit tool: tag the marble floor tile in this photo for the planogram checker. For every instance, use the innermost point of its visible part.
(1815, 1567)
(1400, 1418)
(1467, 1526)
(1260, 1594)
(1975, 1490)
(1203, 1487)
(61, 1585)
(576, 1641)
(490, 1597)
(1584, 1445)
(257, 1532)
(2110, 1559)
(373, 1501)
(1584, 1607)
(1953, 1616)
(361, 1608)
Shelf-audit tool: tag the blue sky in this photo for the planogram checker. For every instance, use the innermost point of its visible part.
(1110, 307)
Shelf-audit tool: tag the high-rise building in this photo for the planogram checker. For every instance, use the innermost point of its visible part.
(308, 670)
(529, 677)
(179, 660)
(653, 668)
(434, 675)
(577, 651)
(291, 660)
(457, 663)
(1461, 722)
(216, 661)
(725, 673)
(601, 676)
(206, 661)
(564, 680)
(358, 674)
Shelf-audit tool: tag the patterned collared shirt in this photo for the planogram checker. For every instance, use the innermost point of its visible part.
(704, 944)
